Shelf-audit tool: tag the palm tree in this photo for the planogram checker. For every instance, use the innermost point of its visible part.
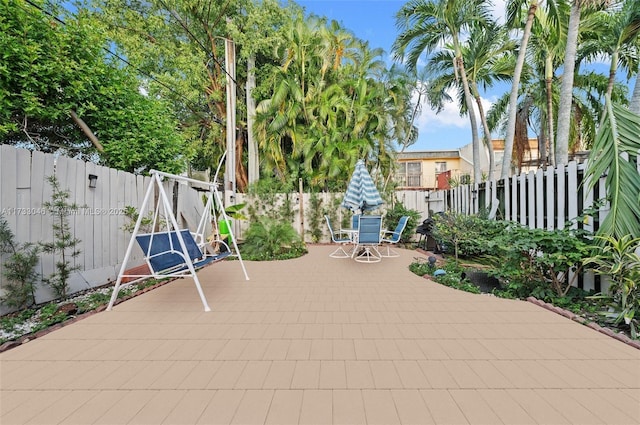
(547, 47)
(514, 8)
(566, 87)
(614, 33)
(425, 25)
(487, 57)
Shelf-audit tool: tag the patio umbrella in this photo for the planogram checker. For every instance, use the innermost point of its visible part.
(362, 193)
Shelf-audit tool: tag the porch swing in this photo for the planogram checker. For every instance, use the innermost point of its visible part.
(170, 251)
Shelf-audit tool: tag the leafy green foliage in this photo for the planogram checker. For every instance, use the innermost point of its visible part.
(466, 235)
(268, 239)
(392, 217)
(315, 217)
(617, 259)
(51, 71)
(64, 244)
(614, 155)
(19, 269)
(132, 214)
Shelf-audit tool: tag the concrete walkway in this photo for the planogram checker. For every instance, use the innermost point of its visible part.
(318, 340)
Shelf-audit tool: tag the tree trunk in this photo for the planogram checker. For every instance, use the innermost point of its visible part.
(487, 133)
(513, 98)
(550, 124)
(87, 131)
(477, 171)
(253, 153)
(612, 72)
(634, 104)
(566, 88)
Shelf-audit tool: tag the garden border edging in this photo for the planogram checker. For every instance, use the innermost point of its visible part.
(572, 316)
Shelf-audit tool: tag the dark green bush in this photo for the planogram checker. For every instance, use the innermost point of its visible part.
(392, 217)
(268, 239)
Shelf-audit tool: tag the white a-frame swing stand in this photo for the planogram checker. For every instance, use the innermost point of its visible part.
(175, 252)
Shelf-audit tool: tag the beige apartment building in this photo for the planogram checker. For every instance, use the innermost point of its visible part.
(439, 169)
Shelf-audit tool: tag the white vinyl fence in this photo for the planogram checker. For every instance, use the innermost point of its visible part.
(551, 198)
(98, 223)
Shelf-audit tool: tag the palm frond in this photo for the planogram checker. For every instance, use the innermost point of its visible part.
(616, 142)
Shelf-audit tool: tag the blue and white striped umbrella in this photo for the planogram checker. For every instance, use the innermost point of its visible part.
(362, 193)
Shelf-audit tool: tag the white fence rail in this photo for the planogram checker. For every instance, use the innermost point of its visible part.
(549, 199)
(98, 223)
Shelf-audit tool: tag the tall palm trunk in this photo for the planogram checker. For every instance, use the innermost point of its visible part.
(612, 72)
(634, 104)
(566, 88)
(513, 98)
(548, 78)
(485, 129)
(477, 169)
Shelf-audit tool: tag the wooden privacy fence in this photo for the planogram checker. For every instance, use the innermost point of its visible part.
(98, 222)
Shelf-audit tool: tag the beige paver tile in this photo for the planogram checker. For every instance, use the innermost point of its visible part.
(253, 407)
(379, 407)
(277, 349)
(280, 375)
(253, 375)
(437, 374)
(443, 407)
(210, 350)
(569, 407)
(285, 407)
(306, 375)
(126, 408)
(359, 375)
(621, 400)
(463, 374)
(473, 405)
(321, 349)
(411, 408)
(221, 408)
(200, 376)
(188, 409)
(537, 407)
(227, 375)
(506, 408)
(409, 349)
(603, 409)
(411, 374)
(314, 330)
(299, 350)
(158, 407)
(352, 331)
(432, 349)
(174, 375)
(387, 349)
(343, 349)
(365, 349)
(316, 407)
(348, 408)
(332, 375)
(254, 350)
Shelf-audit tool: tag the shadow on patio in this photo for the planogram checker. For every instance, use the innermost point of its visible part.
(320, 340)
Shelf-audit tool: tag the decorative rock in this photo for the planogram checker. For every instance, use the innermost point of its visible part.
(439, 272)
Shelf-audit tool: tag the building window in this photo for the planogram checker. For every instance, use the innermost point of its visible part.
(441, 167)
(409, 174)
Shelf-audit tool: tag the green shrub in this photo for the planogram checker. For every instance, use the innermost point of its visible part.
(392, 217)
(268, 239)
(618, 260)
(19, 269)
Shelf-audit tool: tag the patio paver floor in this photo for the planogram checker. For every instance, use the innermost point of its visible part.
(319, 340)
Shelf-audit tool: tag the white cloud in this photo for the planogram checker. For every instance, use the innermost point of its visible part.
(430, 121)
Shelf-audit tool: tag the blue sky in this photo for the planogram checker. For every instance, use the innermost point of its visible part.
(374, 20)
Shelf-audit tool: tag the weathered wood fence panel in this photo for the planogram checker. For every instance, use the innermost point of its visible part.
(98, 222)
